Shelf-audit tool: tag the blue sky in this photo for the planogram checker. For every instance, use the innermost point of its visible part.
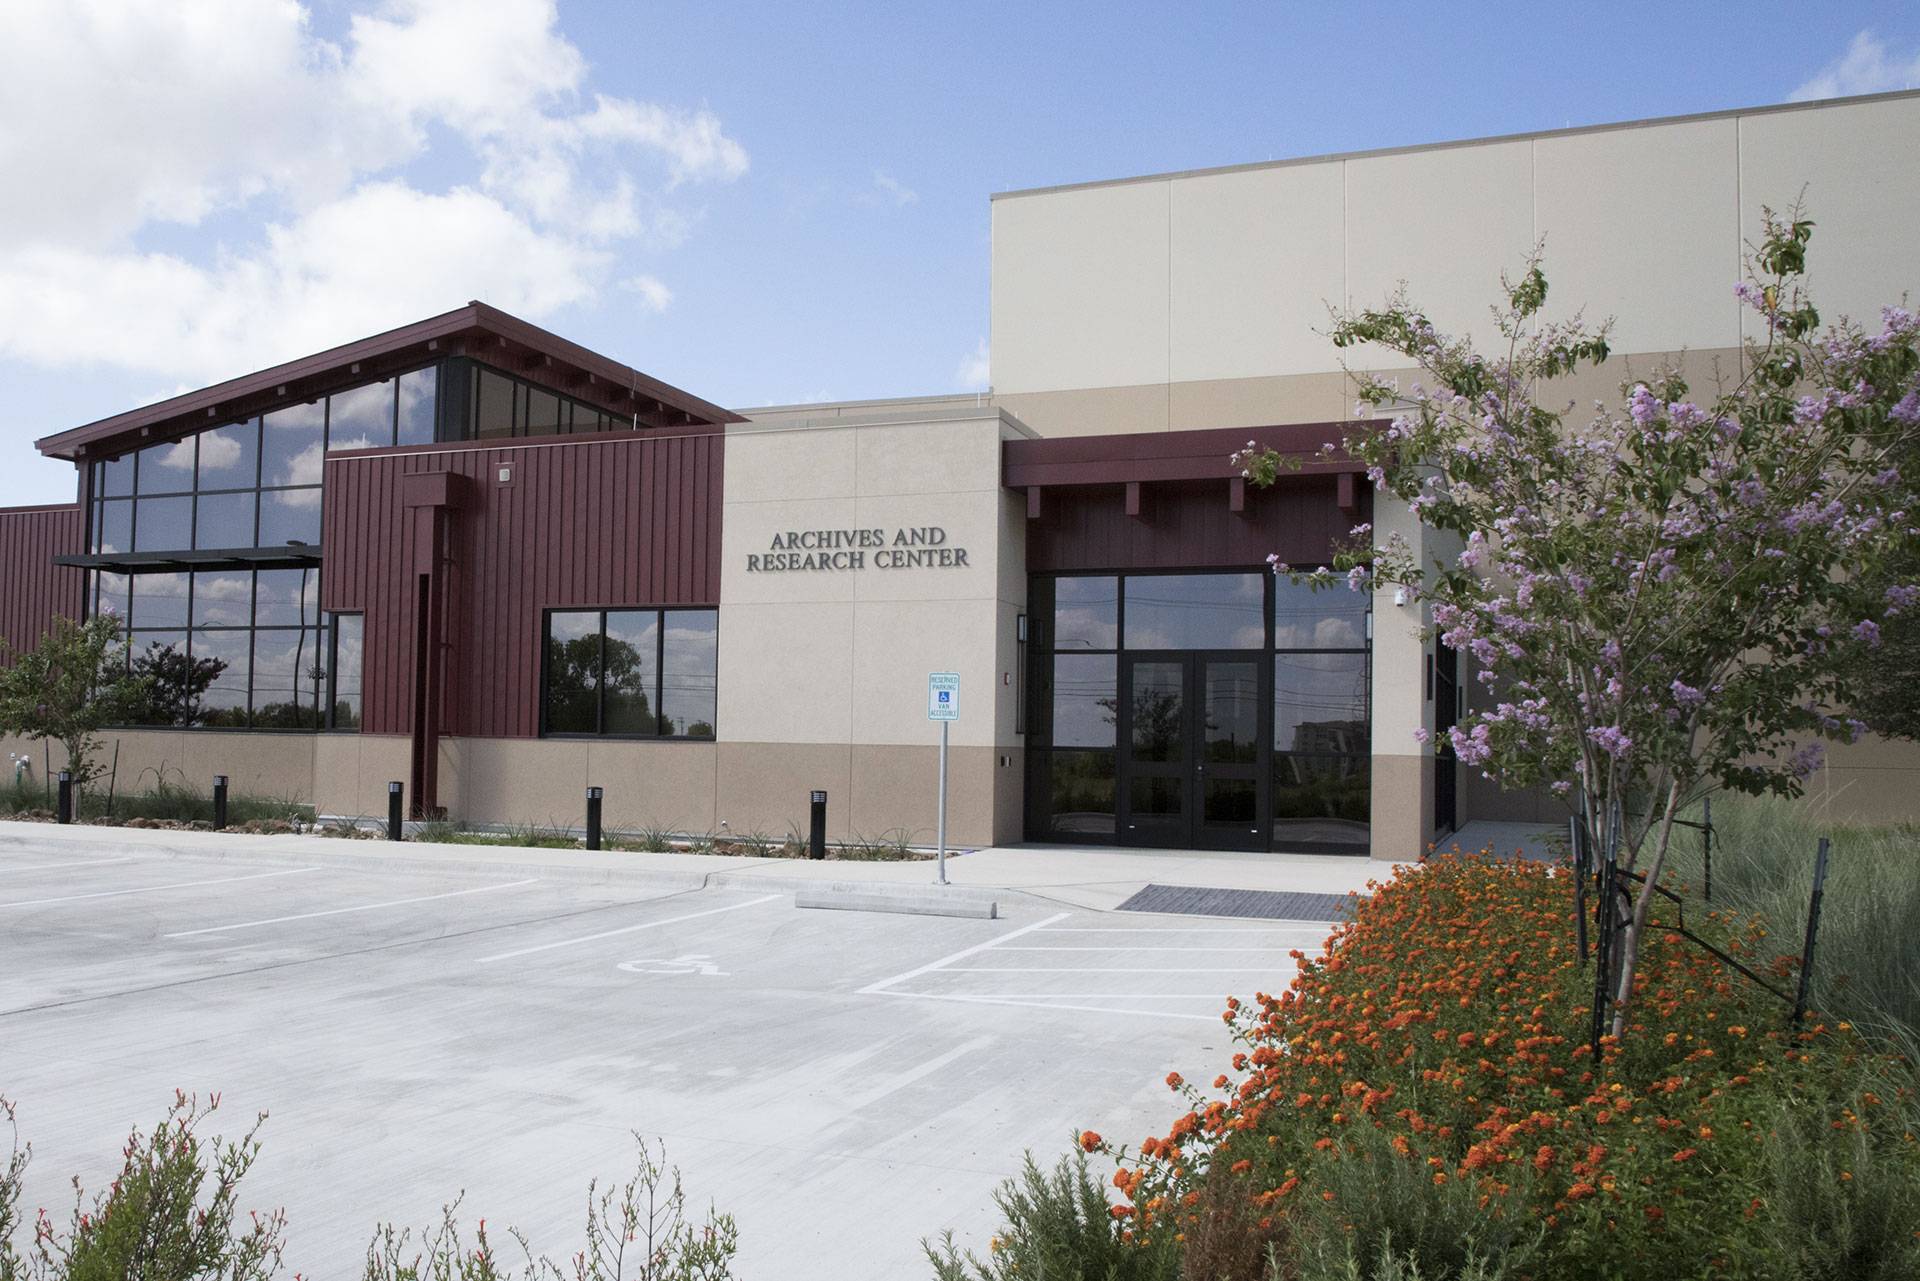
(758, 202)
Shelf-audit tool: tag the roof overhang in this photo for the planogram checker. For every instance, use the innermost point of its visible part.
(476, 330)
(1136, 461)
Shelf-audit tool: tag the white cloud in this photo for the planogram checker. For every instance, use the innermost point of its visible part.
(654, 296)
(893, 189)
(1866, 67)
(150, 113)
(975, 372)
(380, 255)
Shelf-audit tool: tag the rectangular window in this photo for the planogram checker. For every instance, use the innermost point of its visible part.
(419, 396)
(222, 659)
(287, 678)
(361, 418)
(115, 530)
(1196, 611)
(230, 457)
(159, 600)
(493, 405)
(346, 663)
(631, 673)
(293, 445)
(632, 667)
(115, 478)
(689, 670)
(573, 673)
(229, 648)
(162, 524)
(225, 521)
(543, 410)
(166, 468)
(290, 517)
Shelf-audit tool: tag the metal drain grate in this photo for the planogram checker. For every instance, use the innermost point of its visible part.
(1264, 905)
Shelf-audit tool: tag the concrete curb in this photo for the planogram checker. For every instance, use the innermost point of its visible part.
(920, 903)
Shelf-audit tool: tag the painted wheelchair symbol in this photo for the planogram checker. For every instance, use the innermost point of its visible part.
(693, 963)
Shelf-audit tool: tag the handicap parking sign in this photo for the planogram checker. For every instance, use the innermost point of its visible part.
(943, 696)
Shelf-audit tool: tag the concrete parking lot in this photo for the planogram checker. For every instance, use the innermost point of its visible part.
(844, 1083)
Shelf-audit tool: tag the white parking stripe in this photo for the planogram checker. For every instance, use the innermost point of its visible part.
(338, 911)
(1109, 969)
(69, 865)
(963, 952)
(155, 889)
(1278, 927)
(626, 929)
(1128, 947)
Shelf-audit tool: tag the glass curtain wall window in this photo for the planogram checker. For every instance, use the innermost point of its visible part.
(500, 406)
(255, 483)
(630, 673)
(224, 648)
(1322, 719)
(1105, 647)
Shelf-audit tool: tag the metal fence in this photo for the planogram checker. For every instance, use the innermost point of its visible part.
(1611, 889)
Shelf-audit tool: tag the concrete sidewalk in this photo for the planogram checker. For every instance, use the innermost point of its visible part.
(1098, 878)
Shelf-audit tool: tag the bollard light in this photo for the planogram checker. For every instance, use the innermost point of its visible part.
(594, 795)
(219, 802)
(65, 813)
(817, 827)
(395, 791)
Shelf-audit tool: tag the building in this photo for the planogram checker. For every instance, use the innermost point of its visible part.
(476, 558)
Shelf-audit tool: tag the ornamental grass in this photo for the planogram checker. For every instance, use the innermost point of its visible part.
(1422, 1100)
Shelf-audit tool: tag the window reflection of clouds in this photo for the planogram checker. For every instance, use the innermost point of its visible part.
(222, 598)
(1086, 613)
(159, 600)
(1196, 611)
(292, 442)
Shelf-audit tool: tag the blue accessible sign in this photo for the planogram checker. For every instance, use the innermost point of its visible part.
(943, 696)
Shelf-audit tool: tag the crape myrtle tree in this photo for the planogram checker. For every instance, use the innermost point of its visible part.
(1665, 597)
(70, 686)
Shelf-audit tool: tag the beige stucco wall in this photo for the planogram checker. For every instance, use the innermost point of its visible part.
(256, 764)
(1201, 299)
(823, 674)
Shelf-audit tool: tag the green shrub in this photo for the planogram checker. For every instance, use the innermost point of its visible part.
(173, 1214)
(1388, 1218)
(1845, 1207)
(1059, 1227)
(165, 801)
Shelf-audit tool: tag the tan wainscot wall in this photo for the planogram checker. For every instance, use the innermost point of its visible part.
(276, 766)
(823, 673)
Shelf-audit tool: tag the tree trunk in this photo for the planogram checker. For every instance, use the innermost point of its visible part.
(1642, 908)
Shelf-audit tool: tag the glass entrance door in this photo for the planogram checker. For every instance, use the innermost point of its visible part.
(1227, 741)
(1156, 761)
(1192, 766)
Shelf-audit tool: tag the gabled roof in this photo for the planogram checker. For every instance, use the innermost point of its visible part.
(477, 330)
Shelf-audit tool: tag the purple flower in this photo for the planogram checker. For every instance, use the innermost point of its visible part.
(1421, 735)
(1611, 739)
(1644, 406)
(1686, 695)
(1808, 759)
(1869, 631)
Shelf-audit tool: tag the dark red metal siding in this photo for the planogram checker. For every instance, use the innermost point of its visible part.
(1187, 525)
(612, 522)
(33, 590)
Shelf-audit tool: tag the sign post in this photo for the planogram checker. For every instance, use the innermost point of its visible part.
(943, 705)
